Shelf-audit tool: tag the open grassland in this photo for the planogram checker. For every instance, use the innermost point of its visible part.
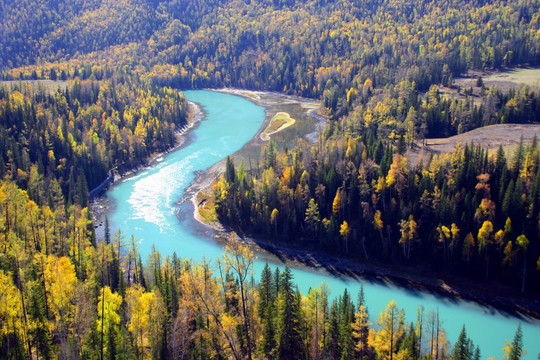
(513, 78)
(488, 137)
(504, 80)
(48, 85)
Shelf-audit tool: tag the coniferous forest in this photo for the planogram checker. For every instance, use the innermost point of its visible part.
(108, 98)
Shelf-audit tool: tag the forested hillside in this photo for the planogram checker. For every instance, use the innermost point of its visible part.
(62, 145)
(376, 65)
(306, 47)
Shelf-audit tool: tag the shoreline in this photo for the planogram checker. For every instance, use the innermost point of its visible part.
(101, 204)
(498, 297)
(495, 296)
(197, 116)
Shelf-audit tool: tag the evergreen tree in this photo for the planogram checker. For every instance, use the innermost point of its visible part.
(477, 353)
(107, 231)
(266, 311)
(361, 327)
(230, 174)
(515, 351)
(332, 344)
(410, 344)
(290, 339)
(463, 348)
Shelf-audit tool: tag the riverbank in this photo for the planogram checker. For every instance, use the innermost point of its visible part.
(101, 205)
(309, 124)
(498, 297)
(413, 280)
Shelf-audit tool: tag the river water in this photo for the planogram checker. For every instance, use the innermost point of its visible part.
(145, 205)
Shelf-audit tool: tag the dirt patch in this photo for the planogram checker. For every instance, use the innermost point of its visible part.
(488, 137)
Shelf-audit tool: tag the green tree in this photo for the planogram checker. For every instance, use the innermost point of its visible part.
(290, 339)
(514, 350)
(361, 327)
(523, 244)
(409, 346)
(463, 348)
(312, 217)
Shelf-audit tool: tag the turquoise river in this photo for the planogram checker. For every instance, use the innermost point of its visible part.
(146, 205)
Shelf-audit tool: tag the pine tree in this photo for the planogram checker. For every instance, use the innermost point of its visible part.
(290, 339)
(107, 231)
(230, 174)
(477, 353)
(514, 351)
(464, 348)
(409, 346)
(361, 327)
(345, 328)
(332, 345)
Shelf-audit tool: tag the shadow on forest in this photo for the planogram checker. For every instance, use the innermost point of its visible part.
(347, 270)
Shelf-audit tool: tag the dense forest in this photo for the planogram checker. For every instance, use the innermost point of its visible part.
(59, 144)
(354, 194)
(313, 48)
(64, 296)
(376, 65)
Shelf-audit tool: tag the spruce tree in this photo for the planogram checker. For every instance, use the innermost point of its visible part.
(290, 339)
(410, 343)
(332, 337)
(464, 348)
(515, 350)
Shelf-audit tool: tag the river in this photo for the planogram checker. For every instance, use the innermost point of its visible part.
(145, 205)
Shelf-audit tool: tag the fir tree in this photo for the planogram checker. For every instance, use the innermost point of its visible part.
(514, 351)
(464, 348)
(290, 339)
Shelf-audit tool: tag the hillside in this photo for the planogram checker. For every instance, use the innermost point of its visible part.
(390, 74)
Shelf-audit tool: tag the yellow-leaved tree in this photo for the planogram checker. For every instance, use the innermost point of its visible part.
(61, 283)
(11, 314)
(239, 258)
(139, 304)
(391, 331)
(108, 316)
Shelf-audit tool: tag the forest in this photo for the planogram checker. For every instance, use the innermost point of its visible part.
(61, 144)
(353, 194)
(64, 295)
(379, 68)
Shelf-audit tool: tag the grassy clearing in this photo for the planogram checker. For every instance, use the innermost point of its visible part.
(279, 122)
(504, 80)
(48, 85)
(529, 77)
(488, 137)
